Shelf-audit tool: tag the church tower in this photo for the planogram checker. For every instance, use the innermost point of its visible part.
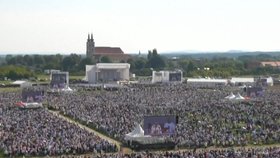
(90, 46)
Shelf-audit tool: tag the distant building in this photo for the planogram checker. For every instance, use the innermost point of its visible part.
(252, 64)
(115, 54)
(207, 82)
(22, 84)
(256, 64)
(49, 71)
(167, 76)
(239, 81)
(275, 64)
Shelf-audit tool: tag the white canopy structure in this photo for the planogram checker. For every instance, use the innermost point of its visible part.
(207, 81)
(239, 97)
(33, 105)
(231, 96)
(22, 84)
(242, 81)
(106, 72)
(136, 133)
(67, 89)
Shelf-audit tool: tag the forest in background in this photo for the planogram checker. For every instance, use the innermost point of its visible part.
(198, 65)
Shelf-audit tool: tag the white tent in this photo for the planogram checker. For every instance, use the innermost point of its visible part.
(239, 97)
(136, 133)
(22, 84)
(68, 89)
(231, 96)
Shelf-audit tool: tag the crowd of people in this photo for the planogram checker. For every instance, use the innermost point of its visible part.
(37, 132)
(259, 152)
(205, 117)
(214, 153)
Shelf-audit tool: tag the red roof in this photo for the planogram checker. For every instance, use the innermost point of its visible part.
(114, 56)
(108, 50)
(271, 63)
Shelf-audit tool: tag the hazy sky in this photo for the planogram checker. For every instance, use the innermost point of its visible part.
(168, 25)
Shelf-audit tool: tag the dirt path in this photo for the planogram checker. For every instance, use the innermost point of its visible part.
(128, 150)
(90, 130)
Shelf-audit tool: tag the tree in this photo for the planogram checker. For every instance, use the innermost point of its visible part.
(38, 60)
(154, 52)
(155, 60)
(15, 72)
(190, 67)
(84, 62)
(132, 64)
(105, 59)
(28, 60)
(70, 63)
(149, 55)
(140, 63)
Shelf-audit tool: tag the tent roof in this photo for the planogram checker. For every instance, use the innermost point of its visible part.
(19, 82)
(137, 132)
(231, 96)
(239, 79)
(239, 97)
(207, 80)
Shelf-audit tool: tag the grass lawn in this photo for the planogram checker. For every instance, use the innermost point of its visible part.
(10, 89)
(5, 82)
(2, 153)
(43, 77)
(47, 77)
(76, 77)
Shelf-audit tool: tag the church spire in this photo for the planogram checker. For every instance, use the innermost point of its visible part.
(91, 37)
(88, 38)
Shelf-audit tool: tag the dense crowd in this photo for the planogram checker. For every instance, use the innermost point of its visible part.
(221, 153)
(36, 132)
(205, 117)
(259, 152)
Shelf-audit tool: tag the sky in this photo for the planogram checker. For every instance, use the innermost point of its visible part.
(62, 26)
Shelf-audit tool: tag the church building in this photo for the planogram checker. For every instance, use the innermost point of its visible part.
(115, 54)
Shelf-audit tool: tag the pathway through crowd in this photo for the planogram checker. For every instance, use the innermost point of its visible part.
(118, 144)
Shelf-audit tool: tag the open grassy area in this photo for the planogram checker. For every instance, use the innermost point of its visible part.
(2, 153)
(5, 82)
(47, 77)
(43, 77)
(10, 89)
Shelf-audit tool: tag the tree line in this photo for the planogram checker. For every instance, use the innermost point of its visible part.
(26, 66)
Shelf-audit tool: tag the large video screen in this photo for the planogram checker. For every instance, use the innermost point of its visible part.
(31, 96)
(255, 91)
(175, 76)
(159, 125)
(264, 82)
(58, 80)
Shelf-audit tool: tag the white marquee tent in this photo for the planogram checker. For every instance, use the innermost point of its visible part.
(239, 97)
(231, 96)
(234, 97)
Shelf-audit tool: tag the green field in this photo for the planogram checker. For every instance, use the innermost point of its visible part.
(47, 77)
(9, 89)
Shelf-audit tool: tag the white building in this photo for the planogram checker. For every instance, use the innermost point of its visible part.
(22, 84)
(106, 72)
(167, 76)
(207, 81)
(59, 80)
(238, 81)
